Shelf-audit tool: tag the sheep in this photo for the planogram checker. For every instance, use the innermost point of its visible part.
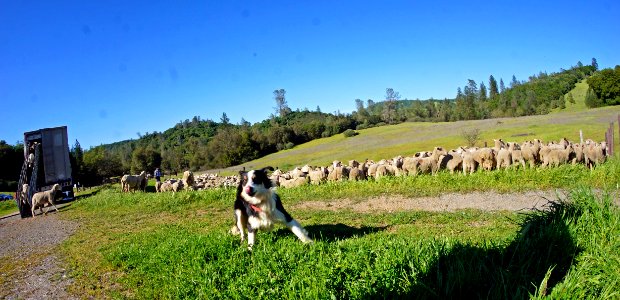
(318, 176)
(158, 185)
(372, 170)
(485, 158)
(595, 154)
(47, 197)
(409, 166)
(499, 144)
(295, 182)
(357, 174)
(503, 158)
(469, 163)
(188, 179)
(132, 182)
(429, 164)
(397, 163)
(579, 154)
(166, 187)
(338, 174)
(177, 186)
(384, 170)
(531, 152)
(24, 192)
(517, 155)
(452, 161)
(354, 163)
(552, 156)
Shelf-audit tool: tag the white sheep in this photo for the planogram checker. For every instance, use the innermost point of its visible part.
(133, 182)
(47, 197)
(188, 179)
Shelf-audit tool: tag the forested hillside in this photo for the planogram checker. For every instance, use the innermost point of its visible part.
(204, 144)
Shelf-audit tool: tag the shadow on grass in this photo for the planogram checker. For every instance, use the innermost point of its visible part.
(333, 232)
(517, 271)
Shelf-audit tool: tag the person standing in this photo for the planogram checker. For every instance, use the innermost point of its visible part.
(157, 175)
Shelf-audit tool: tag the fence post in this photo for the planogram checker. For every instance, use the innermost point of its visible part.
(611, 138)
(607, 139)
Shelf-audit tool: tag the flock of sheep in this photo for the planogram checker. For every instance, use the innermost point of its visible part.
(503, 155)
(131, 183)
(467, 160)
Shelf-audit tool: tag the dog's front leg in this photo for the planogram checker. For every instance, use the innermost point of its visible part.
(251, 236)
(299, 231)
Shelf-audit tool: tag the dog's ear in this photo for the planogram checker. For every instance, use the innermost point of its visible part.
(265, 169)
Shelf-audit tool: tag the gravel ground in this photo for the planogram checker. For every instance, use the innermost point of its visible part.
(32, 243)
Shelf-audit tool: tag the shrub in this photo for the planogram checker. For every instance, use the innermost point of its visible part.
(350, 133)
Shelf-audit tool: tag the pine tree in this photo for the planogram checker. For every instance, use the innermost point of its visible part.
(594, 64)
(493, 90)
(483, 93)
(502, 87)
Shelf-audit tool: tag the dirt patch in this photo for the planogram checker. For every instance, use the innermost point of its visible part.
(28, 247)
(487, 201)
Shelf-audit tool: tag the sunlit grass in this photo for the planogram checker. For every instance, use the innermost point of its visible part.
(408, 138)
(147, 245)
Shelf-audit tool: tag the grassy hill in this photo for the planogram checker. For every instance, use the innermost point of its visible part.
(407, 138)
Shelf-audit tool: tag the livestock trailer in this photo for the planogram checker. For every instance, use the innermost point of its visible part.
(46, 162)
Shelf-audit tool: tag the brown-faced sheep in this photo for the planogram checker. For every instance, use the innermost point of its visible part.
(47, 197)
(354, 163)
(133, 182)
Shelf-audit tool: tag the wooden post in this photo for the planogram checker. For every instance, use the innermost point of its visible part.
(611, 139)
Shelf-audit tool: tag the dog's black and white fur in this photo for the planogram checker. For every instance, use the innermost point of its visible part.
(258, 206)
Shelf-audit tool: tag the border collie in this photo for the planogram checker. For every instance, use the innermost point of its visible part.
(258, 206)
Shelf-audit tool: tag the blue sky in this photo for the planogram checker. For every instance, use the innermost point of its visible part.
(111, 69)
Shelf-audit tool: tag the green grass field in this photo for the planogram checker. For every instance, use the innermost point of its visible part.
(147, 245)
